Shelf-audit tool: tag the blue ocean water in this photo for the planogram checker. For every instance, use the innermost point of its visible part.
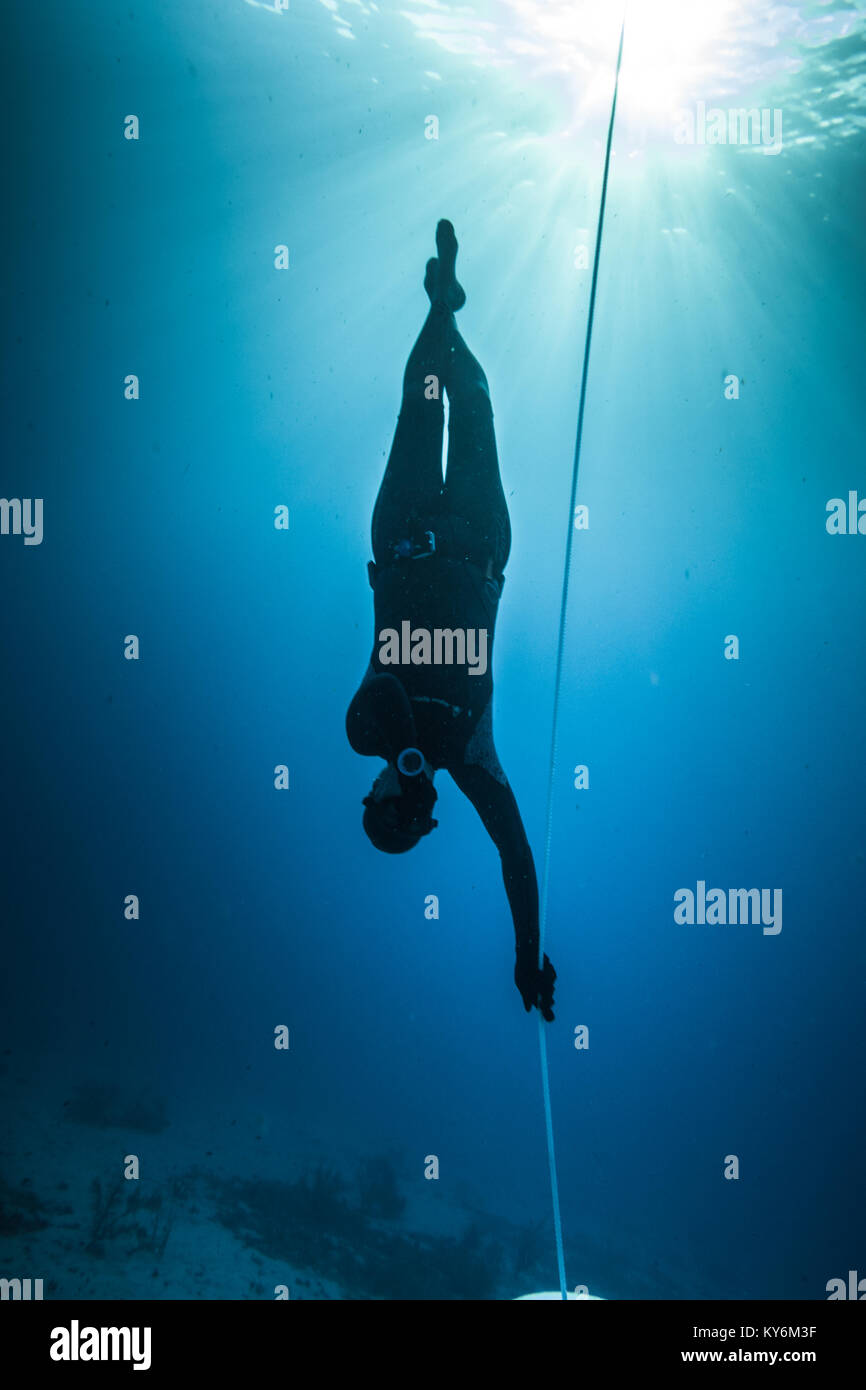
(723, 416)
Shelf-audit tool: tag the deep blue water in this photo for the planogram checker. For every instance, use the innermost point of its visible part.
(707, 517)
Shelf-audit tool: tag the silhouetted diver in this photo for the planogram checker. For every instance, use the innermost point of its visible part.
(440, 551)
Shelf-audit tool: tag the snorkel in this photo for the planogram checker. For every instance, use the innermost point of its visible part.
(411, 762)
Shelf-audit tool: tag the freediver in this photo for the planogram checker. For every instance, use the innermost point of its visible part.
(440, 550)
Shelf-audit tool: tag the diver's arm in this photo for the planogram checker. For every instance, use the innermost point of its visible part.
(496, 805)
(379, 722)
(498, 809)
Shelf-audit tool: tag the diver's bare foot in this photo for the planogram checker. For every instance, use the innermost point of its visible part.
(440, 282)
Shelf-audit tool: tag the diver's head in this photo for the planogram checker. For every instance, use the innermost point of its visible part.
(385, 828)
(397, 814)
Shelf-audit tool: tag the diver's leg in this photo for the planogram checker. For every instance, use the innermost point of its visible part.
(473, 486)
(413, 477)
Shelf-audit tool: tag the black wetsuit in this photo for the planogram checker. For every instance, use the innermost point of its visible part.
(443, 709)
